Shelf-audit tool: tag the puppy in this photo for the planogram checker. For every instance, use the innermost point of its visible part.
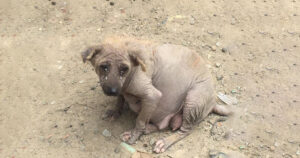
(166, 85)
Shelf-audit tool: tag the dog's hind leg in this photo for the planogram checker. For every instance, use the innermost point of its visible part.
(198, 104)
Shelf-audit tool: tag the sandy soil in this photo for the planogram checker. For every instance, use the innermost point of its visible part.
(51, 103)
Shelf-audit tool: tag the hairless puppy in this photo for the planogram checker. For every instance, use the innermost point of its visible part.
(166, 85)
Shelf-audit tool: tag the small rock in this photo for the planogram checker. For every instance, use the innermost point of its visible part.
(152, 141)
(106, 133)
(298, 152)
(81, 81)
(272, 148)
(218, 44)
(53, 102)
(117, 149)
(219, 77)
(93, 88)
(242, 147)
(224, 50)
(217, 154)
(218, 65)
(213, 48)
(112, 3)
(53, 3)
(233, 91)
(276, 144)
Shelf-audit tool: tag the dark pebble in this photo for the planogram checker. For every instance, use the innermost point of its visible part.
(111, 3)
(273, 92)
(145, 145)
(294, 101)
(266, 14)
(82, 124)
(284, 49)
(55, 126)
(71, 126)
(295, 46)
(295, 85)
(53, 3)
(93, 88)
(272, 102)
(294, 64)
(224, 50)
(257, 95)
(235, 73)
(273, 51)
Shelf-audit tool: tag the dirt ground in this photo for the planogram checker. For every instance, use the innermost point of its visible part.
(52, 105)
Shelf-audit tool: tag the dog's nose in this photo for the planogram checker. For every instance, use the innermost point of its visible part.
(113, 90)
(110, 91)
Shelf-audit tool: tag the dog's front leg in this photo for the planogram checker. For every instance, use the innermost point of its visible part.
(115, 113)
(149, 96)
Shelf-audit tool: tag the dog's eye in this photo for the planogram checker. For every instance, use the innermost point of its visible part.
(104, 68)
(123, 70)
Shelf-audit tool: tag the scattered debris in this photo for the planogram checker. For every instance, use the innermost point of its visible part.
(217, 154)
(229, 100)
(127, 151)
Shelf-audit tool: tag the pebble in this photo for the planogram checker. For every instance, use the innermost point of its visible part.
(218, 44)
(242, 147)
(111, 3)
(217, 154)
(106, 133)
(219, 77)
(53, 102)
(224, 50)
(272, 148)
(233, 91)
(213, 48)
(81, 81)
(152, 141)
(218, 65)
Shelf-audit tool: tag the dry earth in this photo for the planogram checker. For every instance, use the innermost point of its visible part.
(51, 104)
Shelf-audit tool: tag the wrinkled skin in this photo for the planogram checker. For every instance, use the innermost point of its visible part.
(166, 85)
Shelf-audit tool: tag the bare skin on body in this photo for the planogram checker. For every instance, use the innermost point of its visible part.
(166, 85)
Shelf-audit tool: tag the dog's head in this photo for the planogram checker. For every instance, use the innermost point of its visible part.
(112, 64)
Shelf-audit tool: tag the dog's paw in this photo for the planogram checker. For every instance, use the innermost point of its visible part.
(111, 115)
(160, 146)
(131, 136)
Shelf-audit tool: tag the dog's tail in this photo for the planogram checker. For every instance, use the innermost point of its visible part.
(221, 110)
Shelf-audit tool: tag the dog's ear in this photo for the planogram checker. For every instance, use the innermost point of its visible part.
(137, 60)
(89, 53)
